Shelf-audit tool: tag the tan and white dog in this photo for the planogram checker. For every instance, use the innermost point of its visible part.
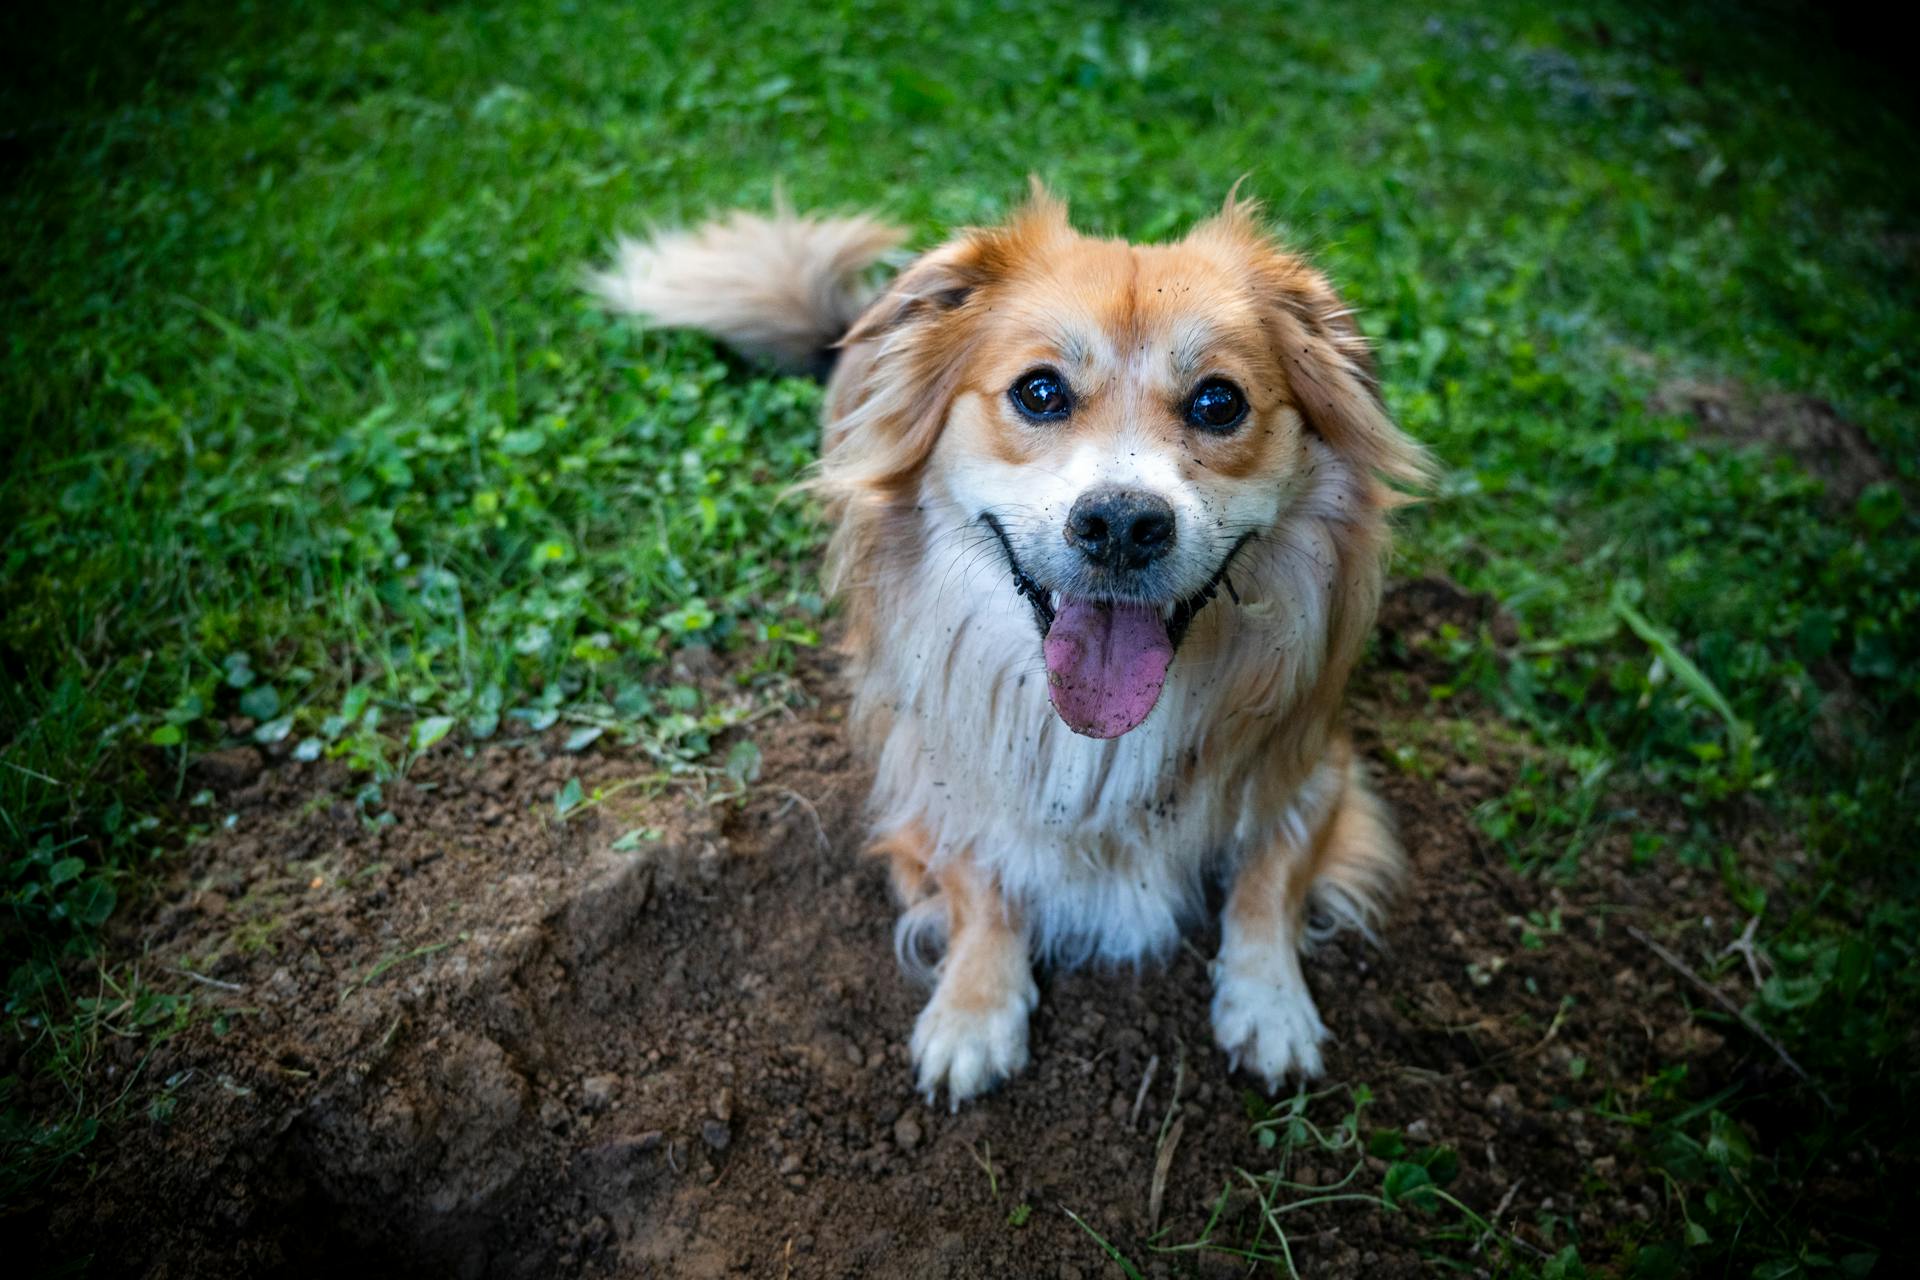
(1110, 525)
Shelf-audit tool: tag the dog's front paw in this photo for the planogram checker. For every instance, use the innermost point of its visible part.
(1271, 1029)
(970, 1049)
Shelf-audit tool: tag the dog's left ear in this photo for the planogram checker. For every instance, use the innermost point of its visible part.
(1327, 360)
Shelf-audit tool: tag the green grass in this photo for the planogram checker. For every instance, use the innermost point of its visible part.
(1410, 1179)
(311, 437)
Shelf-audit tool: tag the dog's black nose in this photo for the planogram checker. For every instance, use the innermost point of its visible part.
(1121, 528)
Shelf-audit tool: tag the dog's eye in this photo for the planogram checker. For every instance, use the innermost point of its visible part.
(1041, 394)
(1218, 405)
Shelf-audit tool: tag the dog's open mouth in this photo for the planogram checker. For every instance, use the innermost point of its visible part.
(1107, 660)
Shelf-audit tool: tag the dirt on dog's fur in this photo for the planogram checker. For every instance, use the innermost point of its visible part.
(480, 1041)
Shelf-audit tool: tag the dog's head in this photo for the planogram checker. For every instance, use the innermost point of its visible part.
(1122, 420)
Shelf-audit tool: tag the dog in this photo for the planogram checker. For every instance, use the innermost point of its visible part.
(1110, 523)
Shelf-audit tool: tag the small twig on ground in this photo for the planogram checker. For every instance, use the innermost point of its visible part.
(211, 982)
(1162, 1165)
(1140, 1098)
(1494, 1217)
(1171, 1126)
(1720, 998)
(1179, 1082)
(1749, 951)
(986, 1163)
(387, 1039)
(806, 806)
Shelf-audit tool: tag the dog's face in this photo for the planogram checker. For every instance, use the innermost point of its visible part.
(1123, 420)
(1123, 429)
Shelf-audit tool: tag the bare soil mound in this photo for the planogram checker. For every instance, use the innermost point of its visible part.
(481, 1041)
(1805, 428)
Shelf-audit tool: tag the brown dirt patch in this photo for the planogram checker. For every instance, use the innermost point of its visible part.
(478, 1041)
(1804, 428)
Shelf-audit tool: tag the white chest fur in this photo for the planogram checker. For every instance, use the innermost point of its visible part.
(1104, 846)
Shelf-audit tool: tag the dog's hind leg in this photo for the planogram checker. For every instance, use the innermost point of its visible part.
(1331, 869)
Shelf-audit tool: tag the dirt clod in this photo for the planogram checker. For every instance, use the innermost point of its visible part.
(906, 1133)
(598, 1092)
(228, 770)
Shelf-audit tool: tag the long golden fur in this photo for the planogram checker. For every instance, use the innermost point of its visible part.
(1073, 733)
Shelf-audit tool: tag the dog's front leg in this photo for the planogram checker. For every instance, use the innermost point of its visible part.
(1263, 1014)
(973, 1032)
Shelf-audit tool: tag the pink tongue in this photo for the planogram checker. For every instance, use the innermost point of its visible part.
(1105, 665)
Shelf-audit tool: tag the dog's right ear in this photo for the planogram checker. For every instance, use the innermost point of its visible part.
(943, 280)
(898, 370)
(901, 362)
(936, 284)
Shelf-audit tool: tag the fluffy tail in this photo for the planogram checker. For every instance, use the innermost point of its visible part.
(784, 288)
